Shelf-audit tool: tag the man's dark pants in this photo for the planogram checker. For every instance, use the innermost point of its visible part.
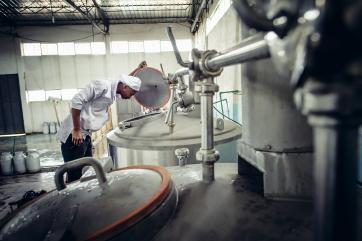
(70, 152)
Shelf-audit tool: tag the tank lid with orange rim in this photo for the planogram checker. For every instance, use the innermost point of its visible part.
(94, 211)
(155, 91)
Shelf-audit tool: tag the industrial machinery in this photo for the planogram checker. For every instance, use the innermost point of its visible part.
(212, 203)
(153, 138)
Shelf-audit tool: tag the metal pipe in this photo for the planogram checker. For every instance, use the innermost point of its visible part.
(170, 116)
(207, 123)
(252, 51)
(249, 40)
(335, 199)
(208, 172)
(180, 72)
(198, 14)
(175, 49)
(170, 113)
(207, 154)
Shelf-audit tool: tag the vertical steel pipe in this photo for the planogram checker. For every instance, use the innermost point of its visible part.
(207, 128)
(335, 175)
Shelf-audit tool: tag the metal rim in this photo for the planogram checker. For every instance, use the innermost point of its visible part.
(145, 105)
(131, 218)
(144, 210)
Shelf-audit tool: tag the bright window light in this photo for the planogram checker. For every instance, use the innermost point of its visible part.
(49, 49)
(152, 46)
(166, 46)
(66, 48)
(82, 48)
(219, 11)
(52, 94)
(184, 45)
(98, 48)
(119, 47)
(31, 49)
(35, 95)
(67, 94)
(135, 47)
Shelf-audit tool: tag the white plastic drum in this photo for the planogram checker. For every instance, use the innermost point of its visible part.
(52, 128)
(6, 163)
(32, 162)
(19, 162)
(45, 128)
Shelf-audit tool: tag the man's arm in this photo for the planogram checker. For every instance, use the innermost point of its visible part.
(140, 66)
(77, 136)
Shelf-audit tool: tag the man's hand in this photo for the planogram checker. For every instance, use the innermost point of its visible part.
(77, 137)
(142, 64)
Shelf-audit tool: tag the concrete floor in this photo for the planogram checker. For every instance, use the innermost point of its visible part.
(257, 219)
(12, 188)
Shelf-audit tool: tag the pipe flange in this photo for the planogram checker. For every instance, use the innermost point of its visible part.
(207, 88)
(207, 156)
(206, 71)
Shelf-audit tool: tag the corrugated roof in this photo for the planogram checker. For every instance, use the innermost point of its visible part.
(48, 12)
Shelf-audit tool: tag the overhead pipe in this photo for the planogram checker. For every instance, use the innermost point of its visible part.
(258, 49)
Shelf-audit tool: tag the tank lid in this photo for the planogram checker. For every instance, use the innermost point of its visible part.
(155, 91)
(90, 210)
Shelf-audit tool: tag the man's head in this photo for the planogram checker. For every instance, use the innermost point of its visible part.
(128, 86)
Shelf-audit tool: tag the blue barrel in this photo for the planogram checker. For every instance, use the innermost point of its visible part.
(360, 160)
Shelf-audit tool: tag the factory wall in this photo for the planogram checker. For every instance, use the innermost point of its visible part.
(75, 71)
(225, 34)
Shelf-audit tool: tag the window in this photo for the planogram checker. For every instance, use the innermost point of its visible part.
(49, 49)
(35, 95)
(52, 94)
(66, 48)
(152, 46)
(219, 11)
(184, 45)
(67, 94)
(31, 49)
(166, 46)
(98, 48)
(135, 47)
(82, 48)
(119, 47)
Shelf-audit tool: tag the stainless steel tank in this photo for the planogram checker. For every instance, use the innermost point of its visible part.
(150, 141)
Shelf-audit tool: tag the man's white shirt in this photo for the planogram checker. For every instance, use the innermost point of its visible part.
(93, 101)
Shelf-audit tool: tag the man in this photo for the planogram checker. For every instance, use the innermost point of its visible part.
(89, 112)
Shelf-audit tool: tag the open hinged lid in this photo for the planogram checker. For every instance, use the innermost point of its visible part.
(155, 91)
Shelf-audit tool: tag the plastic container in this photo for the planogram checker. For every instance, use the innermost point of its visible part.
(32, 162)
(57, 126)
(46, 128)
(6, 163)
(19, 162)
(52, 127)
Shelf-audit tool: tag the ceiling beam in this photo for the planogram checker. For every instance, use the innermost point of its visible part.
(87, 16)
(103, 15)
(196, 23)
(6, 15)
